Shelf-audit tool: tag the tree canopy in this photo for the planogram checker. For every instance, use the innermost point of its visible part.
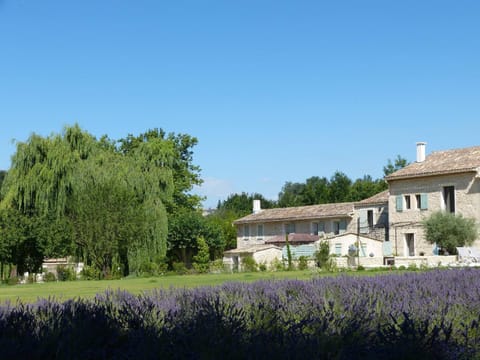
(450, 231)
(111, 198)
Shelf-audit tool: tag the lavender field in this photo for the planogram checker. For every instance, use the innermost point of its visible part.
(430, 315)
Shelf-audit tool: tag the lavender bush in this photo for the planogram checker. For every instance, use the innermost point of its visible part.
(432, 315)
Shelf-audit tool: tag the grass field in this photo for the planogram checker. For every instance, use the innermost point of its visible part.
(85, 289)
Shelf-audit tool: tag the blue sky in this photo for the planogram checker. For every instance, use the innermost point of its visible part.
(275, 91)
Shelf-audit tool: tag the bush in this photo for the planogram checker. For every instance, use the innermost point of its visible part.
(262, 267)
(249, 264)
(65, 273)
(180, 268)
(217, 266)
(150, 268)
(302, 263)
(201, 261)
(277, 265)
(90, 273)
(322, 255)
(49, 277)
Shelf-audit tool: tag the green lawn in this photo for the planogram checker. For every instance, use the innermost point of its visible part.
(74, 289)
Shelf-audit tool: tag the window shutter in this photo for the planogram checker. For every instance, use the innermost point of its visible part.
(399, 203)
(424, 202)
(363, 221)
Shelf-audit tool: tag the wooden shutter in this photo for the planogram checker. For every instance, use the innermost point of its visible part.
(424, 202)
(399, 202)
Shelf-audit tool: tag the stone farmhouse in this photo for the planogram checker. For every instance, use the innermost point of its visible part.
(264, 233)
(444, 180)
(386, 228)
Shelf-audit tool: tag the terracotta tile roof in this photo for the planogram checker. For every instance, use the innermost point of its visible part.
(441, 163)
(380, 198)
(251, 249)
(338, 210)
(293, 239)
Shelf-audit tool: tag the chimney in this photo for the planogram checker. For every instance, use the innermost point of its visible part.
(421, 151)
(257, 207)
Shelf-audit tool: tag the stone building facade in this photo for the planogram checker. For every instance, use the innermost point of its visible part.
(443, 181)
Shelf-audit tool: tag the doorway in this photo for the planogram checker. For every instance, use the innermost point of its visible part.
(409, 244)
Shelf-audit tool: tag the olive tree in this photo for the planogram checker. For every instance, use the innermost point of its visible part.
(449, 230)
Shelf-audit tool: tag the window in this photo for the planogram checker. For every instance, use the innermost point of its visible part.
(321, 228)
(363, 249)
(314, 228)
(370, 219)
(246, 231)
(260, 231)
(422, 201)
(289, 228)
(339, 227)
(407, 202)
(449, 198)
(336, 227)
(338, 249)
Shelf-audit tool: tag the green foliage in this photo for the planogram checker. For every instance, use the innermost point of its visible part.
(90, 273)
(49, 277)
(65, 273)
(398, 164)
(302, 263)
(449, 231)
(241, 204)
(322, 255)
(179, 268)
(249, 264)
(103, 200)
(277, 265)
(221, 223)
(289, 254)
(201, 260)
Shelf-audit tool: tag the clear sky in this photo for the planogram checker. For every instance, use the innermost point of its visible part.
(274, 91)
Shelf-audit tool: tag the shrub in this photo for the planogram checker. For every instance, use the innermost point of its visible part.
(201, 261)
(277, 265)
(360, 268)
(179, 267)
(322, 255)
(49, 277)
(249, 264)
(65, 273)
(302, 263)
(262, 266)
(90, 273)
(217, 266)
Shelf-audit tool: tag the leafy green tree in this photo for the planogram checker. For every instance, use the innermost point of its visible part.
(450, 231)
(316, 191)
(180, 155)
(340, 186)
(201, 261)
(396, 165)
(366, 187)
(223, 220)
(292, 194)
(2, 177)
(242, 204)
(112, 203)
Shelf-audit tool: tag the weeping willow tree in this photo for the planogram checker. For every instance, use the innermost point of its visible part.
(114, 201)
